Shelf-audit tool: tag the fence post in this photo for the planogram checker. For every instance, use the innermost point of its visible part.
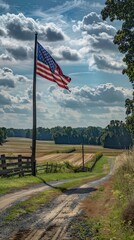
(4, 166)
(51, 170)
(27, 164)
(20, 166)
(47, 168)
(55, 170)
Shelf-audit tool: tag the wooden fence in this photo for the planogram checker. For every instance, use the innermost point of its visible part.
(12, 166)
(49, 168)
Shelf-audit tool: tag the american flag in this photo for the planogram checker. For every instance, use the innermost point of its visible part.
(47, 68)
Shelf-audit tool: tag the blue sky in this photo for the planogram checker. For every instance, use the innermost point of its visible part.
(82, 44)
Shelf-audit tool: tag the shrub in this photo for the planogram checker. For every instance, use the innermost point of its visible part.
(128, 214)
(70, 150)
(96, 157)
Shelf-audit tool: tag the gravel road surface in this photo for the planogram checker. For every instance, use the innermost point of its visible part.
(51, 222)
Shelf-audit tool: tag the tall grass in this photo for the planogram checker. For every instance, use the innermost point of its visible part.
(124, 186)
(117, 220)
(124, 173)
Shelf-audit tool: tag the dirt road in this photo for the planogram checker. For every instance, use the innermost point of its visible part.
(12, 198)
(52, 221)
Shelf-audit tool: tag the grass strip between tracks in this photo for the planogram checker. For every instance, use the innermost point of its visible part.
(40, 199)
(15, 183)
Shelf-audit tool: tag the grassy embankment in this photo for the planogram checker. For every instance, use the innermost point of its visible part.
(15, 146)
(35, 202)
(109, 213)
(14, 183)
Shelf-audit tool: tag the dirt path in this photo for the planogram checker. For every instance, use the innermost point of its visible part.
(52, 221)
(10, 199)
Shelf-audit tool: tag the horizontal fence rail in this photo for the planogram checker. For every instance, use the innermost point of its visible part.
(49, 168)
(12, 166)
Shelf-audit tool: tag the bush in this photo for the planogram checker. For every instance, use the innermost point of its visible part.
(128, 214)
(96, 157)
(70, 150)
(70, 167)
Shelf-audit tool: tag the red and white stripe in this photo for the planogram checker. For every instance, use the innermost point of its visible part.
(44, 71)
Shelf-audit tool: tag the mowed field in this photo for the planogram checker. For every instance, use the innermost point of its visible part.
(51, 152)
(74, 158)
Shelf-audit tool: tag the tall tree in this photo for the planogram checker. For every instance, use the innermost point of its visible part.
(116, 135)
(123, 10)
(2, 135)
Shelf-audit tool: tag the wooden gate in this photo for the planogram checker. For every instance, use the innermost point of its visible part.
(12, 166)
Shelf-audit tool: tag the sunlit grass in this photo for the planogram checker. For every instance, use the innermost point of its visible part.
(40, 199)
(110, 222)
(12, 183)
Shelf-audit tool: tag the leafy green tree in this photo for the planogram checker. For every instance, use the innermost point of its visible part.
(116, 135)
(28, 133)
(123, 10)
(2, 135)
(10, 132)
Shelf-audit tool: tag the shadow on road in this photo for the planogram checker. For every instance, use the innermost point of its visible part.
(79, 190)
(66, 191)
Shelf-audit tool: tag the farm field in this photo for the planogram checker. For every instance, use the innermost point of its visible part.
(49, 151)
(74, 158)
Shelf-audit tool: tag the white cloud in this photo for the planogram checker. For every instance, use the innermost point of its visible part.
(23, 28)
(9, 79)
(105, 63)
(4, 98)
(93, 24)
(17, 109)
(66, 53)
(86, 98)
(4, 5)
(15, 29)
(97, 44)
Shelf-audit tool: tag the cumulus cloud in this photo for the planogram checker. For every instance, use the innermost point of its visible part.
(93, 24)
(4, 5)
(105, 63)
(23, 28)
(5, 99)
(17, 109)
(15, 29)
(66, 53)
(5, 57)
(29, 93)
(86, 98)
(98, 43)
(20, 52)
(9, 79)
(52, 33)
(2, 32)
(104, 43)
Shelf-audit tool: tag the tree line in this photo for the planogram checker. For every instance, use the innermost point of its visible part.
(123, 11)
(115, 135)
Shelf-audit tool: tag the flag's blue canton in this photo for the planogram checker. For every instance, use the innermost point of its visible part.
(45, 57)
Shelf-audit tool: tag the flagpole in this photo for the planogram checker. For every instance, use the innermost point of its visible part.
(34, 112)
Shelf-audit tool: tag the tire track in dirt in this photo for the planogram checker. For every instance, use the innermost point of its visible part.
(53, 224)
(52, 221)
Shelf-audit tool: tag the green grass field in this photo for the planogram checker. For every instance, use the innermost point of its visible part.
(12, 183)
